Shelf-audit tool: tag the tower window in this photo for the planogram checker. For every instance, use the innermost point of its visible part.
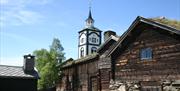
(82, 40)
(82, 52)
(146, 53)
(94, 40)
(93, 49)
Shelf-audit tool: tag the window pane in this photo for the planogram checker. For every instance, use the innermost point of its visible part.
(82, 52)
(146, 53)
(94, 40)
(82, 40)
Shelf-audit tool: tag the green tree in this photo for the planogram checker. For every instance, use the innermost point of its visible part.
(57, 48)
(48, 64)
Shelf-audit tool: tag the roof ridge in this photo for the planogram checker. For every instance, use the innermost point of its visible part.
(11, 66)
(164, 25)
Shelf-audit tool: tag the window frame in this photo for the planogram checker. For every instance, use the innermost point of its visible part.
(93, 49)
(146, 53)
(82, 40)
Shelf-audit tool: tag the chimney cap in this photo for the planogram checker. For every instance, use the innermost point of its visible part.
(29, 56)
(109, 31)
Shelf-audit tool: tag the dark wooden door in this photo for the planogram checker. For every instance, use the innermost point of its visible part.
(93, 84)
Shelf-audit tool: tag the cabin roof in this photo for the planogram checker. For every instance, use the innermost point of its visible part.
(80, 60)
(141, 20)
(16, 72)
(111, 38)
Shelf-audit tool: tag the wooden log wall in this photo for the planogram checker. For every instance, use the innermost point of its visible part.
(165, 63)
(105, 79)
(77, 77)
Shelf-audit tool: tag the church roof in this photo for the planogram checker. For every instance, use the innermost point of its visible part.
(90, 28)
(90, 16)
(90, 23)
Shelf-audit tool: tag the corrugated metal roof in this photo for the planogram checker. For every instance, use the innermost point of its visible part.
(16, 72)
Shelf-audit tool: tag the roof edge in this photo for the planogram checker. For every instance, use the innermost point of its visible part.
(144, 20)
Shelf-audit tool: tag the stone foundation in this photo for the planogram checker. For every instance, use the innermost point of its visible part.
(124, 86)
(135, 86)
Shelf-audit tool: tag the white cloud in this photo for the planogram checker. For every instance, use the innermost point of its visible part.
(16, 12)
(20, 17)
(28, 17)
(24, 2)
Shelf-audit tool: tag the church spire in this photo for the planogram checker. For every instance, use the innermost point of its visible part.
(89, 37)
(90, 20)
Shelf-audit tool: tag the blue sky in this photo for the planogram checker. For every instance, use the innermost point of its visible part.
(28, 25)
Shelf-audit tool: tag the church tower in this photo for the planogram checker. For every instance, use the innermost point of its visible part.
(89, 38)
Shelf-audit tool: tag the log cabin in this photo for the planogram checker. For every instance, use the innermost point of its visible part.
(17, 78)
(146, 57)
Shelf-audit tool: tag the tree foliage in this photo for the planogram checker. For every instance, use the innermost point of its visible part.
(57, 50)
(48, 62)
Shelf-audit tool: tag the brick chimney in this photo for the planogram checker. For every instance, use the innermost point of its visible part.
(108, 33)
(28, 65)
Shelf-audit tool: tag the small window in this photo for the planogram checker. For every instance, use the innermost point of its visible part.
(146, 53)
(82, 52)
(94, 40)
(93, 49)
(82, 40)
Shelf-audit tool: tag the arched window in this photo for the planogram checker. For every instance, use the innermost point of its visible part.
(146, 53)
(82, 52)
(93, 49)
(82, 40)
